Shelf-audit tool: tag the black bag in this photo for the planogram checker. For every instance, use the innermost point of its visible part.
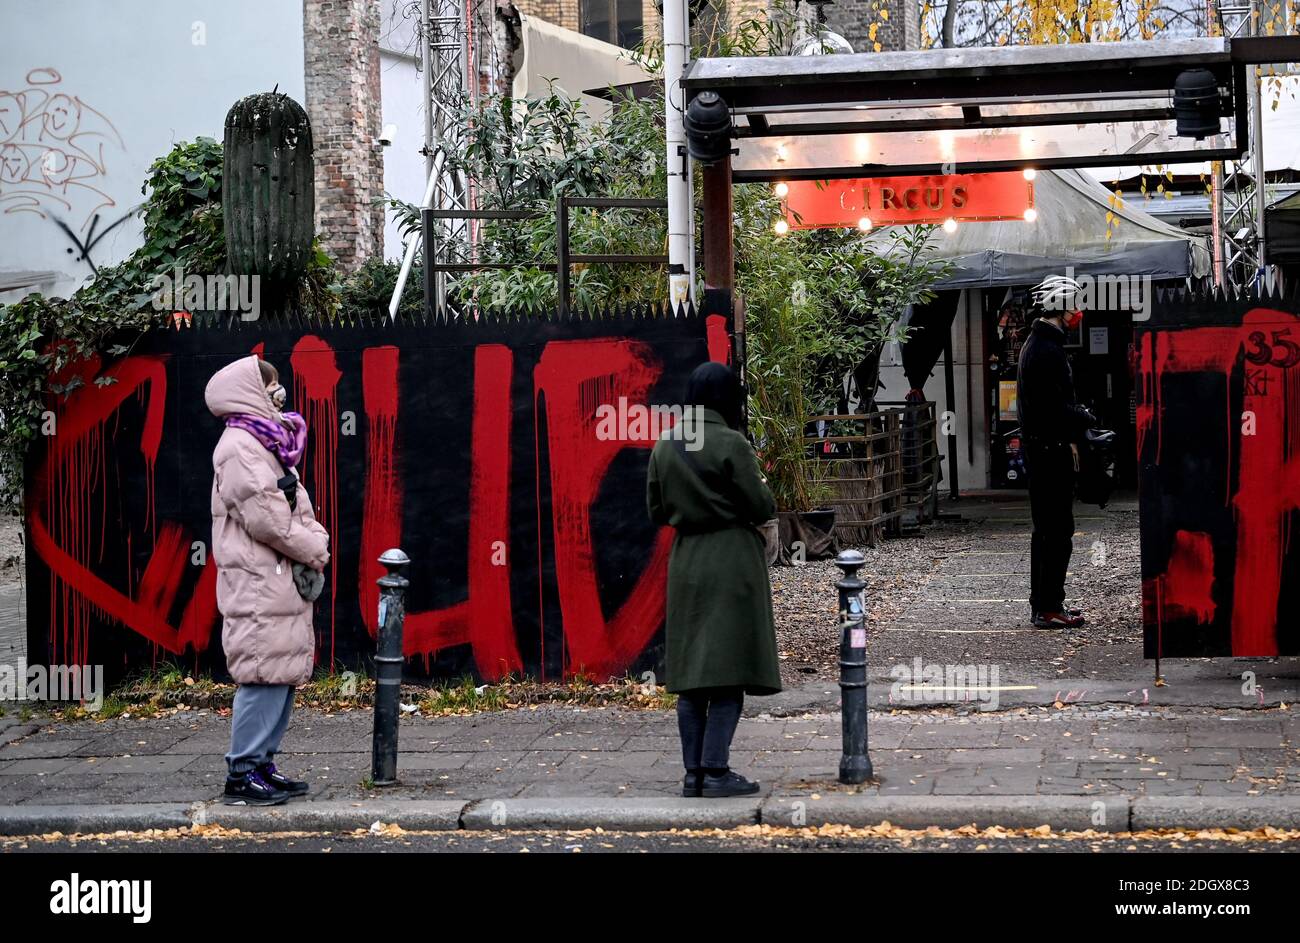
(289, 485)
(1096, 478)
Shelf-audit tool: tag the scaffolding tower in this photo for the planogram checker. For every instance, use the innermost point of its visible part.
(1238, 191)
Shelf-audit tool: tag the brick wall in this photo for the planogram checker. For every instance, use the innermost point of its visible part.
(341, 53)
(852, 19)
(560, 12)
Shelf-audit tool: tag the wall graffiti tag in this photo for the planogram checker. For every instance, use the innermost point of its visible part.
(471, 446)
(54, 160)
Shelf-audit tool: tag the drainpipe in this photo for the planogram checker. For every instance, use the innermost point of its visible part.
(680, 263)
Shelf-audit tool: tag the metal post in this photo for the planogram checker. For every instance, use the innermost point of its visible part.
(562, 255)
(1259, 194)
(676, 44)
(950, 394)
(719, 239)
(429, 229)
(388, 667)
(855, 764)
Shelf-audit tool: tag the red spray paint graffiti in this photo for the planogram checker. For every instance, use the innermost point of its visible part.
(1267, 471)
(1186, 589)
(62, 524)
(315, 384)
(483, 619)
(76, 542)
(576, 377)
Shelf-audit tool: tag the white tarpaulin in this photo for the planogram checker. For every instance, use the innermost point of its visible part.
(1069, 231)
(571, 62)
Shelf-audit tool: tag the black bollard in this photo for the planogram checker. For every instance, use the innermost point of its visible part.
(388, 667)
(855, 764)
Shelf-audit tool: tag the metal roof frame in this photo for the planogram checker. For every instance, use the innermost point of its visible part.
(980, 90)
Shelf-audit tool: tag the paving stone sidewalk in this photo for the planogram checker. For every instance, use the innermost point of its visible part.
(609, 753)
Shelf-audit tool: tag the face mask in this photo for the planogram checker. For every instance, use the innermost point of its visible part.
(278, 395)
(1072, 319)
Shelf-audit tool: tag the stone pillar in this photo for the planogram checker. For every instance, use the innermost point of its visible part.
(341, 58)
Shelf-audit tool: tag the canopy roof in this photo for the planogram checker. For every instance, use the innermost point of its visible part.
(1069, 232)
(977, 109)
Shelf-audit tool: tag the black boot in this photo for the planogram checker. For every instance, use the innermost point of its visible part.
(726, 785)
(252, 789)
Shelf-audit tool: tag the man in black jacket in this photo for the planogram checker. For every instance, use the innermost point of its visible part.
(1051, 425)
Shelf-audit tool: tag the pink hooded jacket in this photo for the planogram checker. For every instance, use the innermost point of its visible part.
(267, 632)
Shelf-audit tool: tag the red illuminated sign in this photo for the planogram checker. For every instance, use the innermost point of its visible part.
(885, 201)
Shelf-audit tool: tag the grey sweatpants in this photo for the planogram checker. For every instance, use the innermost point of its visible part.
(257, 723)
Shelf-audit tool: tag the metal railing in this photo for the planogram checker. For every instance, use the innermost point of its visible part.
(565, 259)
(881, 469)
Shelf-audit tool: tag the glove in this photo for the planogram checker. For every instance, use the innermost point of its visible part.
(310, 583)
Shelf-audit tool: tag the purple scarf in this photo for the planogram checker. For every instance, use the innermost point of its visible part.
(287, 443)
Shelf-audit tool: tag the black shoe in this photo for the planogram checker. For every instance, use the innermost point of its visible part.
(1069, 619)
(693, 784)
(727, 785)
(293, 787)
(252, 789)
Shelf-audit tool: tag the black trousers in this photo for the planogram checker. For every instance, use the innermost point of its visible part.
(1051, 505)
(707, 720)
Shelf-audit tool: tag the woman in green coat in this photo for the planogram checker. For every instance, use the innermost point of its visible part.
(721, 640)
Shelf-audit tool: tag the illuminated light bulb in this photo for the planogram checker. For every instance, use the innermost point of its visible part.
(950, 225)
(864, 224)
(1030, 173)
(782, 190)
(781, 227)
(1031, 214)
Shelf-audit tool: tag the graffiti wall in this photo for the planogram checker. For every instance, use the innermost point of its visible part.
(1218, 427)
(474, 447)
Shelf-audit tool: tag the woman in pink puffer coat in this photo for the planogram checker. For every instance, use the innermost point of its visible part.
(262, 524)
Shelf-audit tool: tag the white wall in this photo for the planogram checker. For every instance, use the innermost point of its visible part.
(93, 91)
(402, 89)
(970, 474)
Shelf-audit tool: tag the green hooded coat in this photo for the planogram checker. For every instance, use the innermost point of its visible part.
(720, 631)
